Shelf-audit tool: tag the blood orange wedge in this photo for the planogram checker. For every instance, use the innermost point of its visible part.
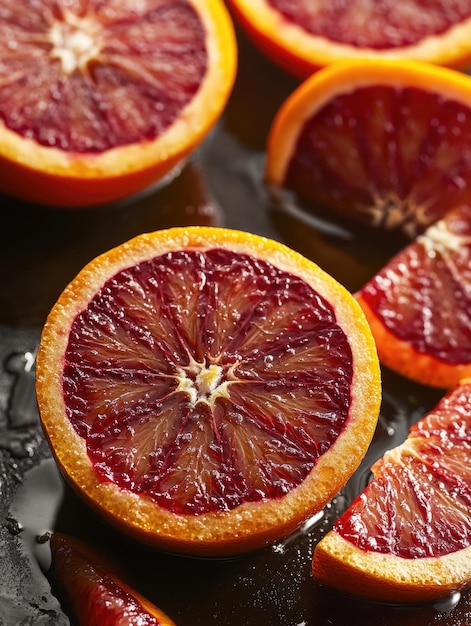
(92, 593)
(384, 143)
(206, 390)
(407, 537)
(102, 99)
(419, 304)
(302, 36)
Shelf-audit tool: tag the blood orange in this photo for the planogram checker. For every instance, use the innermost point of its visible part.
(407, 537)
(302, 36)
(386, 143)
(100, 100)
(419, 304)
(206, 390)
(92, 593)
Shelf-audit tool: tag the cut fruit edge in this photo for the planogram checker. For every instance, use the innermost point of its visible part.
(402, 358)
(76, 552)
(340, 564)
(251, 525)
(36, 172)
(387, 578)
(300, 53)
(343, 78)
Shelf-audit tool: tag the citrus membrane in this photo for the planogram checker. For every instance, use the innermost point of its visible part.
(207, 389)
(407, 536)
(382, 143)
(418, 305)
(100, 100)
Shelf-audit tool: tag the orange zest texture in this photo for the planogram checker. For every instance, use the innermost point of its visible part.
(207, 390)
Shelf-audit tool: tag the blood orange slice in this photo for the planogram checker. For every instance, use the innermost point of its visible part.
(385, 143)
(206, 390)
(302, 36)
(407, 537)
(100, 100)
(92, 593)
(419, 304)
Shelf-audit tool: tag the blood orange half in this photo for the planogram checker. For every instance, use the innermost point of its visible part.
(407, 537)
(302, 36)
(384, 143)
(206, 390)
(91, 592)
(419, 304)
(102, 99)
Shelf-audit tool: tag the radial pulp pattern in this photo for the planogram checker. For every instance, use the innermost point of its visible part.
(207, 390)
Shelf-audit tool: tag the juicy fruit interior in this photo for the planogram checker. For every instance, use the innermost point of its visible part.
(87, 77)
(395, 158)
(419, 503)
(422, 294)
(91, 594)
(206, 379)
(377, 24)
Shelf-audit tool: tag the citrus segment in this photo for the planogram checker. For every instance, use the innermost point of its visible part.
(206, 389)
(101, 100)
(91, 591)
(407, 537)
(418, 305)
(383, 143)
(301, 36)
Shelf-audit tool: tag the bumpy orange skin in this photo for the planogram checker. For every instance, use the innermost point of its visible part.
(299, 53)
(53, 177)
(386, 578)
(252, 524)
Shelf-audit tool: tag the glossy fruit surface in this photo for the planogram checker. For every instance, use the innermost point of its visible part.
(301, 36)
(382, 143)
(407, 537)
(418, 305)
(101, 100)
(92, 593)
(206, 389)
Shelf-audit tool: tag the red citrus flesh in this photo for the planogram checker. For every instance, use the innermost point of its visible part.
(92, 593)
(407, 537)
(206, 390)
(193, 328)
(101, 100)
(419, 503)
(120, 88)
(392, 157)
(419, 304)
(374, 24)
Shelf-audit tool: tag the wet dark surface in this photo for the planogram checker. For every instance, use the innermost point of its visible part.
(41, 250)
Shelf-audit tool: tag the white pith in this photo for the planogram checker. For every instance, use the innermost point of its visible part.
(75, 41)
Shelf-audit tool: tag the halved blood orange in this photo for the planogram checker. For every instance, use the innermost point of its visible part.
(302, 36)
(100, 100)
(92, 593)
(386, 143)
(419, 305)
(407, 537)
(207, 390)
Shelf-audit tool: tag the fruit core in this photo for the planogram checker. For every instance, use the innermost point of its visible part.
(75, 41)
(206, 379)
(377, 24)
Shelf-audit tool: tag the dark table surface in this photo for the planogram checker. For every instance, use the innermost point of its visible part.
(41, 249)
